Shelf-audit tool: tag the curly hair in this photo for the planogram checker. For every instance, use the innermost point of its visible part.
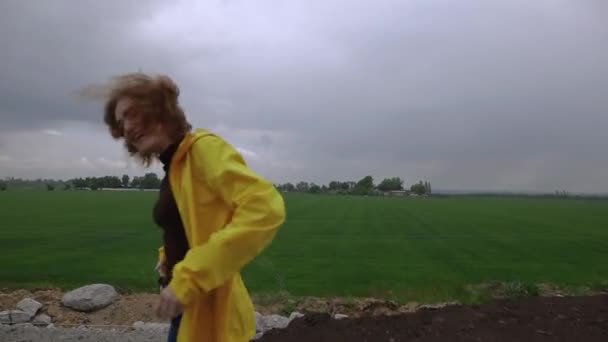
(158, 94)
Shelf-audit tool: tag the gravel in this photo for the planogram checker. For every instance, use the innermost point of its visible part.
(138, 332)
(29, 333)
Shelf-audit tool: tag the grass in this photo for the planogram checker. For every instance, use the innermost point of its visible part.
(402, 249)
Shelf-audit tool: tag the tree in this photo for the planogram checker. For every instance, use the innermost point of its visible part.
(67, 186)
(418, 189)
(288, 187)
(314, 189)
(137, 182)
(391, 184)
(366, 182)
(125, 181)
(50, 187)
(3, 186)
(335, 185)
(150, 181)
(302, 186)
(364, 186)
(79, 183)
(93, 183)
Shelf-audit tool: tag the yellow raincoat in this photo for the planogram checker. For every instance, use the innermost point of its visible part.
(230, 215)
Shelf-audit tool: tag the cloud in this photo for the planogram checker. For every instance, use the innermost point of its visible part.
(247, 153)
(53, 132)
(467, 94)
(115, 164)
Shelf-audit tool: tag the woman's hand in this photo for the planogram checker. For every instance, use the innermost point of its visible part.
(161, 268)
(168, 307)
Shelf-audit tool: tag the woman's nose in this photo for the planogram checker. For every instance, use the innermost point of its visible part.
(128, 129)
(127, 126)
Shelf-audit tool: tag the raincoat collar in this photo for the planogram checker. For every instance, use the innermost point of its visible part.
(186, 143)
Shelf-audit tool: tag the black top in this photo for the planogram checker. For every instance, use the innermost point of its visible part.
(166, 215)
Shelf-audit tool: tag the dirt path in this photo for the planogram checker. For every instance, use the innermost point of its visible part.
(531, 320)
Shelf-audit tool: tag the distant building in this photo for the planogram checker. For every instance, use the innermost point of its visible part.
(397, 193)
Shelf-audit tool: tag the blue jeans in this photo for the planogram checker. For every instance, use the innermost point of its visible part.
(174, 329)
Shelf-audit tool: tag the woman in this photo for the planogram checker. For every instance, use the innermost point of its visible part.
(215, 212)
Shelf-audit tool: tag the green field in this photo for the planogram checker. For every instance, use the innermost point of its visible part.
(329, 246)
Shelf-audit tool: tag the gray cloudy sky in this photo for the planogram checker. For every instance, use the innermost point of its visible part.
(509, 94)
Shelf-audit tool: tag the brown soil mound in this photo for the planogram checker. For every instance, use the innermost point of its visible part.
(530, 320)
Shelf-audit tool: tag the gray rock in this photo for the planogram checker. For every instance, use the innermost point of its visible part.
(90, 297)
(24, 325)
(18, 316)
(266, 323)
(42, 320)
(158, 327)
(273, 322)
(30, 306)
(340, 316)
(258, 322)
(50, 326)
(295, 315)
(438, 305)
(5, 317)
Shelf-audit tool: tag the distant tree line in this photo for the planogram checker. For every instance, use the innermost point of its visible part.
(364, 186)
(39, 183)
(147, 181)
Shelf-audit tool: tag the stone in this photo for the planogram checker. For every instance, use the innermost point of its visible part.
(29, 306)
(18, 316)
(157, 327)
(90, 298)
(273, 322)
(266, 323)
(438, 305)
(42, 320)
(295, 315)
(258, 322)
(340, 316)
(5, 317)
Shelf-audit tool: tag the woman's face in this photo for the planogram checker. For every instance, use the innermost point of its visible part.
(138, 130)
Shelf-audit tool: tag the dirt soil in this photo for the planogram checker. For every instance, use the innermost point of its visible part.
(554, 318)
(130, 308)
(531, 320)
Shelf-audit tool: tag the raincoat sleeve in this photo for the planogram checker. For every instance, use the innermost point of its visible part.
(258, 213)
